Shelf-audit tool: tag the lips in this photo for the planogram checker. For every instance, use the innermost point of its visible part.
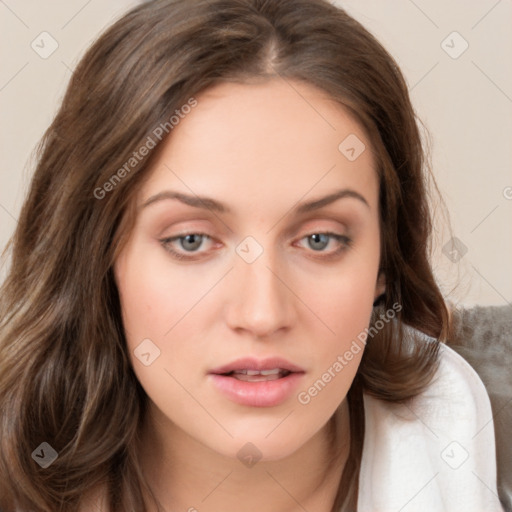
(257, 383)
(253, 366)
(258, 376)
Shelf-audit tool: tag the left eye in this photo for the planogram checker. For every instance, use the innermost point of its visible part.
(319, 241)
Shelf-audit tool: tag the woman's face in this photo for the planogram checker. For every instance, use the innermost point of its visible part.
(255, 249)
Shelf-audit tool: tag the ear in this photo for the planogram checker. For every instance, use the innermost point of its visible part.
(380, 286)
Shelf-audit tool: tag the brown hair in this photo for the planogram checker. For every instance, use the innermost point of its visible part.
(65, 375)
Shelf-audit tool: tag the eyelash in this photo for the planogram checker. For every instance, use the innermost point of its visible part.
(344, 241)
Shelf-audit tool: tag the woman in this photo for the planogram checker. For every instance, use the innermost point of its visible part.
(220, 295)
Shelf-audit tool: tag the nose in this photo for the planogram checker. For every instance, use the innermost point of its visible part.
(261, 302)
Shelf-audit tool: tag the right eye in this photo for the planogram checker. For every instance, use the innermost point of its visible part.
(181, 245)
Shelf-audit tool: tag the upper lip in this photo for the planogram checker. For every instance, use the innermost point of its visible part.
(252, 363)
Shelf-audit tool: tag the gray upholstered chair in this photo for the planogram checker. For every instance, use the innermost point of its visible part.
(483, 336)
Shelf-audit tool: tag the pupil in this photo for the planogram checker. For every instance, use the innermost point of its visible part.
(319, 238)
(192, 241)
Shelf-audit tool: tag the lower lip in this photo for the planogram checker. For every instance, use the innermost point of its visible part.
(257, 394)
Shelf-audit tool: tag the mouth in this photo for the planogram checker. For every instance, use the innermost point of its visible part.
(254, 370)
(257, 383)
(258, 376)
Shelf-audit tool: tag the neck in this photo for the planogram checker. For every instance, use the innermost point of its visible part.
(186, 475)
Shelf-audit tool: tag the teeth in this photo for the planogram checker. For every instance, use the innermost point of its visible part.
(271, 372)
(274, 371)
(258, 376)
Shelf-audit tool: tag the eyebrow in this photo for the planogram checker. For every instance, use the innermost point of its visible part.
(214, 205)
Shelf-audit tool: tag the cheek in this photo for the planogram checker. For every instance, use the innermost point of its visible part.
(346, 311)
(154, 296)
(145, 304)
(343, 305)
(162, 303)
(342, 302)
(153, 312)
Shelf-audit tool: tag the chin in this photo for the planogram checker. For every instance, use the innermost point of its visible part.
(249, 450)
(268, 441)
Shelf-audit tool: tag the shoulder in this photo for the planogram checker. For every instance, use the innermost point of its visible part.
(435, 453)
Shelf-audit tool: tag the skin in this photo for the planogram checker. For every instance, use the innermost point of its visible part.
(259, 149)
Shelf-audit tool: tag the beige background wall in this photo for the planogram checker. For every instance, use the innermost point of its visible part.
(456, 56)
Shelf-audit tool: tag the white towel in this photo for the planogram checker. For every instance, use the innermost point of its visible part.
(435, 455)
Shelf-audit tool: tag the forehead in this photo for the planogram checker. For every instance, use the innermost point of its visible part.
(277, 140)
